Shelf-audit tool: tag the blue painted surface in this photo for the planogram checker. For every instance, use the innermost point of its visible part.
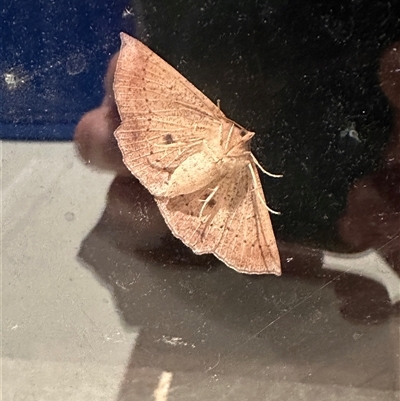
(41, 132)
(54, 57)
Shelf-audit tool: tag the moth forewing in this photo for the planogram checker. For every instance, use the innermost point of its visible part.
(271, 259)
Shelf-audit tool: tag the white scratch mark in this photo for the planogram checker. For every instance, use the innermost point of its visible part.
(173, 341)
(161, 392)
(213, 367)
(120, 285)
(128, 12)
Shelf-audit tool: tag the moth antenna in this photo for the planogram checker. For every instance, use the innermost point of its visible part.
(229, 136)
(253, 176)
(209, 151)
(269, 209)
(262, 169)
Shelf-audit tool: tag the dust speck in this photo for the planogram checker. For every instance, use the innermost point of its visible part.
(15, 78)
(76, 63)
(69, 216)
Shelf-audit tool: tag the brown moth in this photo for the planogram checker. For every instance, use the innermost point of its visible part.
(194, 160)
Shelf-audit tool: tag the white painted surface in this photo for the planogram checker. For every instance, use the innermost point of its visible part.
(62, 338)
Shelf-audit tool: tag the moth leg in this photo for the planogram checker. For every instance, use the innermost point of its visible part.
(207, 200)
(256, 187)
(207, 221)
(262, 169)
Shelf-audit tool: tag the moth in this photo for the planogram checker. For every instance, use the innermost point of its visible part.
(194, 160)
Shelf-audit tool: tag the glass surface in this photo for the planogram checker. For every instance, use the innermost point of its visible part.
(101, 301)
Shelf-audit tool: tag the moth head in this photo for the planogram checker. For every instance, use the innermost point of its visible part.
(246, 135)
(240, 143)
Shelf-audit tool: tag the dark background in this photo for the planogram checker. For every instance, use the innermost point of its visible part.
(298, 73)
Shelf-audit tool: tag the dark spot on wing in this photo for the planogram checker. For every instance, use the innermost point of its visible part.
(168, 139)
(212, 202)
